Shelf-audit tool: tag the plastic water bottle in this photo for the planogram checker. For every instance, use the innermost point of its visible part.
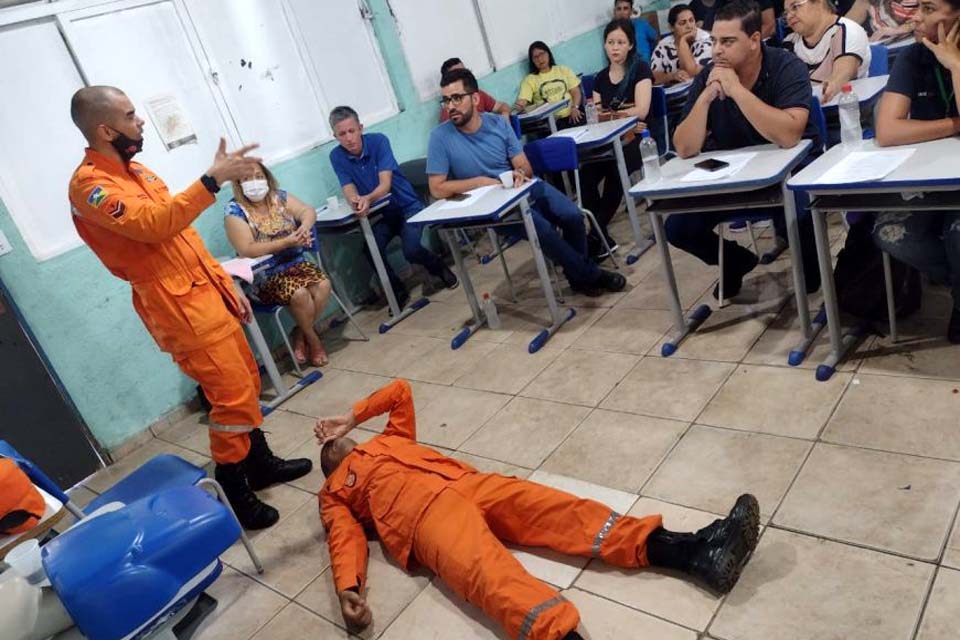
(851, 135)
(591, 111)
(490, 311)
(651, 157)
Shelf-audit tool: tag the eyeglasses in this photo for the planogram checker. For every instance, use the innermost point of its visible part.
(793, 7)
(454, 98)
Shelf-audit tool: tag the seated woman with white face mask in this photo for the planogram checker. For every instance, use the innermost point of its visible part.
(263, 219)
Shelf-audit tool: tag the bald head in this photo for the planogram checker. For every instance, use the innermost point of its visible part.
(93, 106)
(333, 453)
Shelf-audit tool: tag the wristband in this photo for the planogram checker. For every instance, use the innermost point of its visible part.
(210, 184)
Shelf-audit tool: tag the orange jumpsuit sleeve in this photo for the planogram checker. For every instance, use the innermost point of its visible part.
(346, 541)
(133, 215)
(397, 398)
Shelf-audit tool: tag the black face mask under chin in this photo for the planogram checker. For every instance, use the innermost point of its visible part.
(126, 146)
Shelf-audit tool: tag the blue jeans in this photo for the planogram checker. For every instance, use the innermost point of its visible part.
(929, 242)
(393, 223)
(693, 233)
(552, 210)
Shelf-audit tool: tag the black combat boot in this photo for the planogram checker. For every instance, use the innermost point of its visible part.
(251, 512)
(264, 469)
(715, 554)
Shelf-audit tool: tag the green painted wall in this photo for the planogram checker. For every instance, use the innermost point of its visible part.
(83, 318)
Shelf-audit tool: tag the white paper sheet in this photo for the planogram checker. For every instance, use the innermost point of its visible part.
(472, 197)
(865, 166)
(171, 120)
(736, 162)
(576, 134)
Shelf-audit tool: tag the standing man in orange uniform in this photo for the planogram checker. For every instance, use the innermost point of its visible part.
(142, 234)
(431, 509)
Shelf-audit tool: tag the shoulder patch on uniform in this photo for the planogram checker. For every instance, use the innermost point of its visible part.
(149, 178)
(351, 479)
(97, 196)
(118, 210)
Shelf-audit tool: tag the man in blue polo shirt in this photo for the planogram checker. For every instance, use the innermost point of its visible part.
(921, 103)
(749, 94)
(472, 149)
(368, 171)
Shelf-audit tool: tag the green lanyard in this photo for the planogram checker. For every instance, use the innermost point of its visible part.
(947, 99)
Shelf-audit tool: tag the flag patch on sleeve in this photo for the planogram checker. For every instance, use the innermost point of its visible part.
(97, 196)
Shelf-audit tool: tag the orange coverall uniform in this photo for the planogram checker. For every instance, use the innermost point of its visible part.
(142, 234)
(444, 514)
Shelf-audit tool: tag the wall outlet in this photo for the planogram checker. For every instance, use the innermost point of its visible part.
(5, 246)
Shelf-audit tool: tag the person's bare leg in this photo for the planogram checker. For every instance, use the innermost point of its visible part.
(303, 311)
(320, 293)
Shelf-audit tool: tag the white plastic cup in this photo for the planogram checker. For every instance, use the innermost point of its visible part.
(506, 178)
(333, 203)
(25, 560)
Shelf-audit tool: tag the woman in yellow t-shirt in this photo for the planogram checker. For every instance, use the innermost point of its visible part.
(550, 82)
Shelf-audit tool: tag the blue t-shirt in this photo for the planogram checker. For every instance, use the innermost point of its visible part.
(486, 152)
(646, 38)
(363, 171)
(784, 83)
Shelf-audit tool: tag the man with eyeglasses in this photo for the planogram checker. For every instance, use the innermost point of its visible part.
(749, 94)
(473, 149)
(836, 50)
(488, 104)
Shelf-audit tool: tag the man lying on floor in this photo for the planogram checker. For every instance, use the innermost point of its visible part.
(431, 509)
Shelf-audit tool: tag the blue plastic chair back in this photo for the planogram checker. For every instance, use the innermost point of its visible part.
(515, 123)
(586, 86)
(820, 119)
(33, 472)
(552, 154)
(781, 29)
(879, 60)
(658, 120)
(162, 472)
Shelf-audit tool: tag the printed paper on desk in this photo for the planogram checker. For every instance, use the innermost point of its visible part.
(472, 196)
(736, 162)
(865, 166)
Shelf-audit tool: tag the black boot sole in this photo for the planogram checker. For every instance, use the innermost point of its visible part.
(740, 545)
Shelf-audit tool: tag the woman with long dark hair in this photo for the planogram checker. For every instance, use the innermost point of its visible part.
(550, 82)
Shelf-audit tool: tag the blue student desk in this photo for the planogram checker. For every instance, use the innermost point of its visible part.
(930, 178)
(496, 207)
(343, 219)
(760, 183)
(547, 111)
(593, 137)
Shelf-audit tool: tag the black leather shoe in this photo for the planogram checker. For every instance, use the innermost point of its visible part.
(450, 279)
(953, 329)
(723, 548)
(735, 267)
(611, 281)
(252, 513)
(265, 469)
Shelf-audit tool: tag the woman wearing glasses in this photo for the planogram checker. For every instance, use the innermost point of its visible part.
(836, 50)
(550, 82)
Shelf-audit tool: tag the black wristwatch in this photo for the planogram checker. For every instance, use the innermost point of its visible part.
(209, 183)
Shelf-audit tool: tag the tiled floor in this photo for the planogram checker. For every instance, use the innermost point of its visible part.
(858, 477)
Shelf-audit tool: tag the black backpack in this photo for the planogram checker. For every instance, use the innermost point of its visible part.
(859, 278)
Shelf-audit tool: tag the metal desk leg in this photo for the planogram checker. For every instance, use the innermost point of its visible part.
(283, 392)
(798, 353)
(478, 318)
(398, 314)
(681, 325)
(839, 344)
(557, 318)
(642, 244)
(334, 276)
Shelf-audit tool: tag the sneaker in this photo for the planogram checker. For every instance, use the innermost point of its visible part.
(953, 329)
(738, 264)
(450, 279)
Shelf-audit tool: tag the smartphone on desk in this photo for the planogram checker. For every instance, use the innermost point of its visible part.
(711, 164)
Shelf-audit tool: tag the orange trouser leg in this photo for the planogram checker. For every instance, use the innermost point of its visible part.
(454, 541)
(535, 515)
(227, 373)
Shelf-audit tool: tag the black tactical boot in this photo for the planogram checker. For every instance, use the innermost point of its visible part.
(251, 512)
(264, 468)
(715, 554)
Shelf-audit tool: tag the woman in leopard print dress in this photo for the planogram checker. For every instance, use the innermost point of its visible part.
(263, 219)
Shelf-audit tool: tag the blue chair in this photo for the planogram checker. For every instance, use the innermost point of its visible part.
(658, 115)
(160, 473)
(586, 86)
(276, 311)
(556, 154)
(515, 123)
(879, 60)
(820, 119)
